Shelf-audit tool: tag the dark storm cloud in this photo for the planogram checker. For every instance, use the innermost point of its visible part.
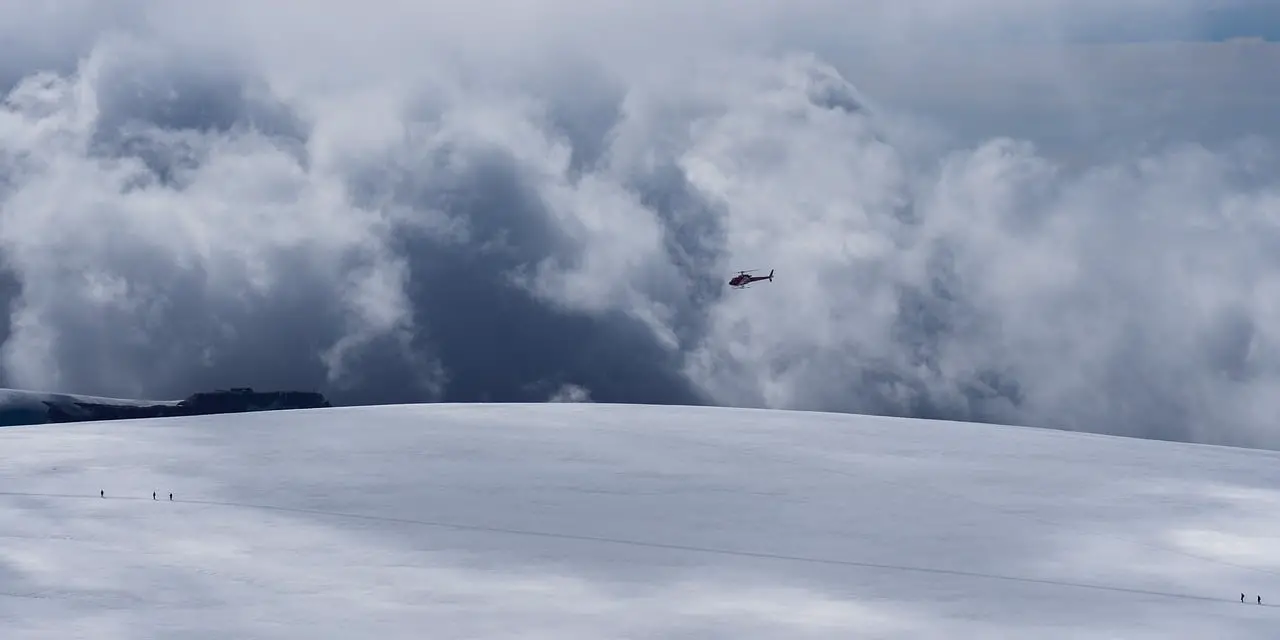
(479, 337)
(496, 341)
(386, 211)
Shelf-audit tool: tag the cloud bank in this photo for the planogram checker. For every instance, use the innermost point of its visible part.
(517, 201)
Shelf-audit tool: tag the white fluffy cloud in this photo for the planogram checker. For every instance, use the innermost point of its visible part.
(417, 201)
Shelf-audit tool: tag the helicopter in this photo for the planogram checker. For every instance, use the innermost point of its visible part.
(744, 278)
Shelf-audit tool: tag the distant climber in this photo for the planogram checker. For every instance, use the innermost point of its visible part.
(153, 497)
(171, 497)
(1259, 599)
(1242, 597)
(102, 492)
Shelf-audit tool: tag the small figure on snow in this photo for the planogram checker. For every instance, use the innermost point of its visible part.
(171, 497)
(102, 492)
(1259, 599)
(153, 497)
(1242, 597)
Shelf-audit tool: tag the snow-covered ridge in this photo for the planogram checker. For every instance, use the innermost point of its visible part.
(18, 406)
(609, 521)
(21, 407)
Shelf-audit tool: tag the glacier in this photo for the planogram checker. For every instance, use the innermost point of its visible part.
(567, 520)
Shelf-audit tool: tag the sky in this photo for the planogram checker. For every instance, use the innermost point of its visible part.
(1055, 214)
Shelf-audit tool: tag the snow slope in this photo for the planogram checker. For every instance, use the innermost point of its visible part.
(610, 521)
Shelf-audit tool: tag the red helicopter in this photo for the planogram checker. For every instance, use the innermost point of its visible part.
(741, 280)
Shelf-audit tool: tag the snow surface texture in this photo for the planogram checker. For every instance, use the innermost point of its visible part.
(610, 521)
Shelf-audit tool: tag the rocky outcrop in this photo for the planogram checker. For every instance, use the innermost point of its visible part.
(205, 403)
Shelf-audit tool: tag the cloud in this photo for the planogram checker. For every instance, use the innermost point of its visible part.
(449, 201)
(571, 393)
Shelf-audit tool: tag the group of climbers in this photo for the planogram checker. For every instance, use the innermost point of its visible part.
(103, 493)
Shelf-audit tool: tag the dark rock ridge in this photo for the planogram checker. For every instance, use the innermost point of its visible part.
(237, 400)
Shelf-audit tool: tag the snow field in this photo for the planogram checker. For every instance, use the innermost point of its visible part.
(616, 521)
